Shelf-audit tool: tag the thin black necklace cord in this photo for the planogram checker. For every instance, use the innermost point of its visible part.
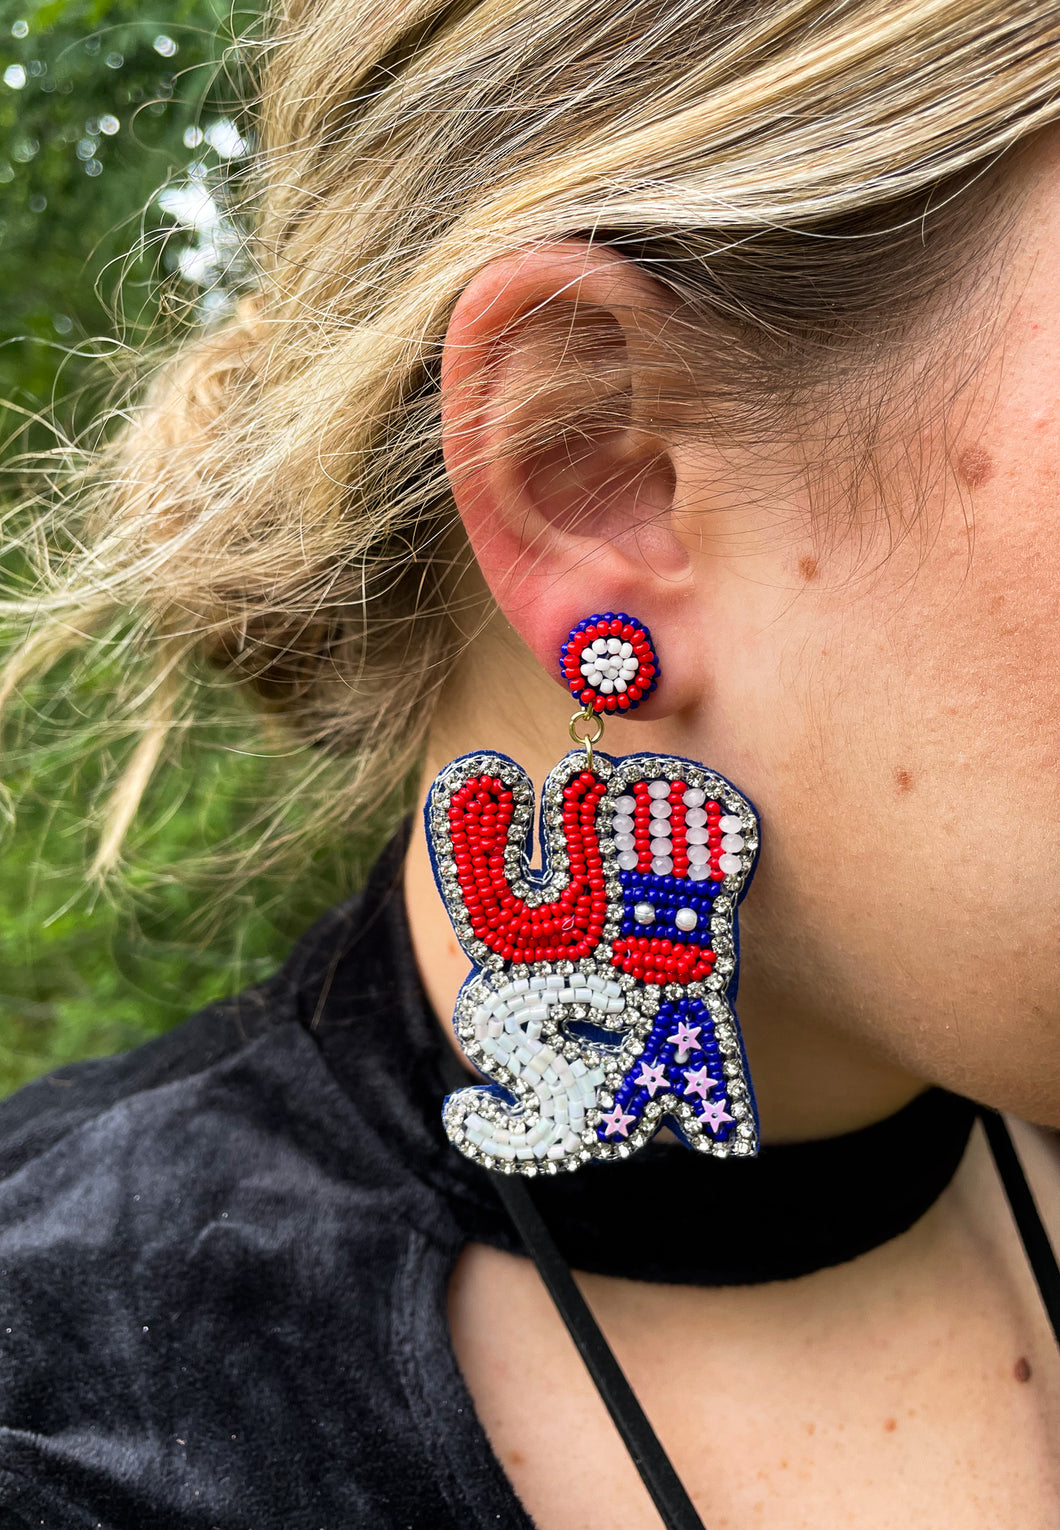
(665, 1488)
(1025, 1214)
(667, 1491)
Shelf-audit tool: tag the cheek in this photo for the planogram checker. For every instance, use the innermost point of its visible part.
(909, 886)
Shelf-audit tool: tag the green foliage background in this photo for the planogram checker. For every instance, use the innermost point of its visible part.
(80, 973)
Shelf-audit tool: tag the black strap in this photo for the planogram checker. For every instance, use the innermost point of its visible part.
(1025, 1213)
(656, 1470)
(655, 1467)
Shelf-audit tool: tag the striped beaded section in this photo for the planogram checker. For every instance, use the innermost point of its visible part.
(669, 829)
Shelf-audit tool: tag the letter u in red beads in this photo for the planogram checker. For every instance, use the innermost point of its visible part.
(599, 1005)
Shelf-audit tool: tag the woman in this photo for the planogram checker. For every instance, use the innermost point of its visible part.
(742, 319)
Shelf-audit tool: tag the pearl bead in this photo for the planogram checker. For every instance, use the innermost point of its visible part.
(686, 919)
(699, 855)
(628, 860)
(622, 823)
(644, 913)
(660, 808)
(694, 798)
(695, 818)
(662, 866)
(730, 863)
(625, 842)
(732, 842)
(697, 836)
(698, 873)
(625, 804)
(662, 846)
(658, 789)
(730, 824)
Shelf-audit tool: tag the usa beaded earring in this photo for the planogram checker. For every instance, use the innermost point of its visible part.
(599, 1004)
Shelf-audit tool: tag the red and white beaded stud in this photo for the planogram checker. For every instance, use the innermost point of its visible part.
(609, 663)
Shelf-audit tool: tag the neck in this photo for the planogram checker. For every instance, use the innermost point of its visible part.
(812, 1077)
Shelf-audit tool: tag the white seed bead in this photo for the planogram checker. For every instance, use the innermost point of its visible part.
(730, 824)
(658, 789)
(628, 860)
(625, 804)
(614, 645)
(620, 685)
(626, 649)
(593, 676)
(660, 808)
(730, 863)
(606, 687)
(588, 656)
(622, 823)
(644, 913)
(694, 798)
(662, 865)
(698, 855)
(625, 842)
(662, 846)
(732, 842)
(600, 646)
(686, 919)
(697, 836)
(695, 818)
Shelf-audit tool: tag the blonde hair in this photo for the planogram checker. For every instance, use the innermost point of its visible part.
(791, 170)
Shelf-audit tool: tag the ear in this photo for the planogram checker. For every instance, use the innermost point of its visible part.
(554, 362)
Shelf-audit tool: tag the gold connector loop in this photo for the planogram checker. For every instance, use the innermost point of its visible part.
(587, 740)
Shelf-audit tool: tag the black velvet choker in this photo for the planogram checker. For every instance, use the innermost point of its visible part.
(665, 1215)
(670, 1215)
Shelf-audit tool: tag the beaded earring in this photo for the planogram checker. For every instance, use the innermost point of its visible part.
(599, 1005)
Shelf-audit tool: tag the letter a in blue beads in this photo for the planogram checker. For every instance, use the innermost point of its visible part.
(600, 1001)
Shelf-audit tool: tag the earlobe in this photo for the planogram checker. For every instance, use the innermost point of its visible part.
(564, 485)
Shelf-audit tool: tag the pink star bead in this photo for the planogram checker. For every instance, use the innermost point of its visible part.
(652, 1078)
(715, 1114)
(686, 1039)
(616, 1124)
(698, 1082)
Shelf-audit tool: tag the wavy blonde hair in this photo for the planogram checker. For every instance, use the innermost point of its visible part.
(795, 172)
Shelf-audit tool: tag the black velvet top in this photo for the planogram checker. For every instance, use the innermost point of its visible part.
(224, 1256)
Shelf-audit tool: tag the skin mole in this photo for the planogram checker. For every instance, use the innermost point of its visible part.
(1022, 1369)
(975, 466)
(903, 779)
(808, 567)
